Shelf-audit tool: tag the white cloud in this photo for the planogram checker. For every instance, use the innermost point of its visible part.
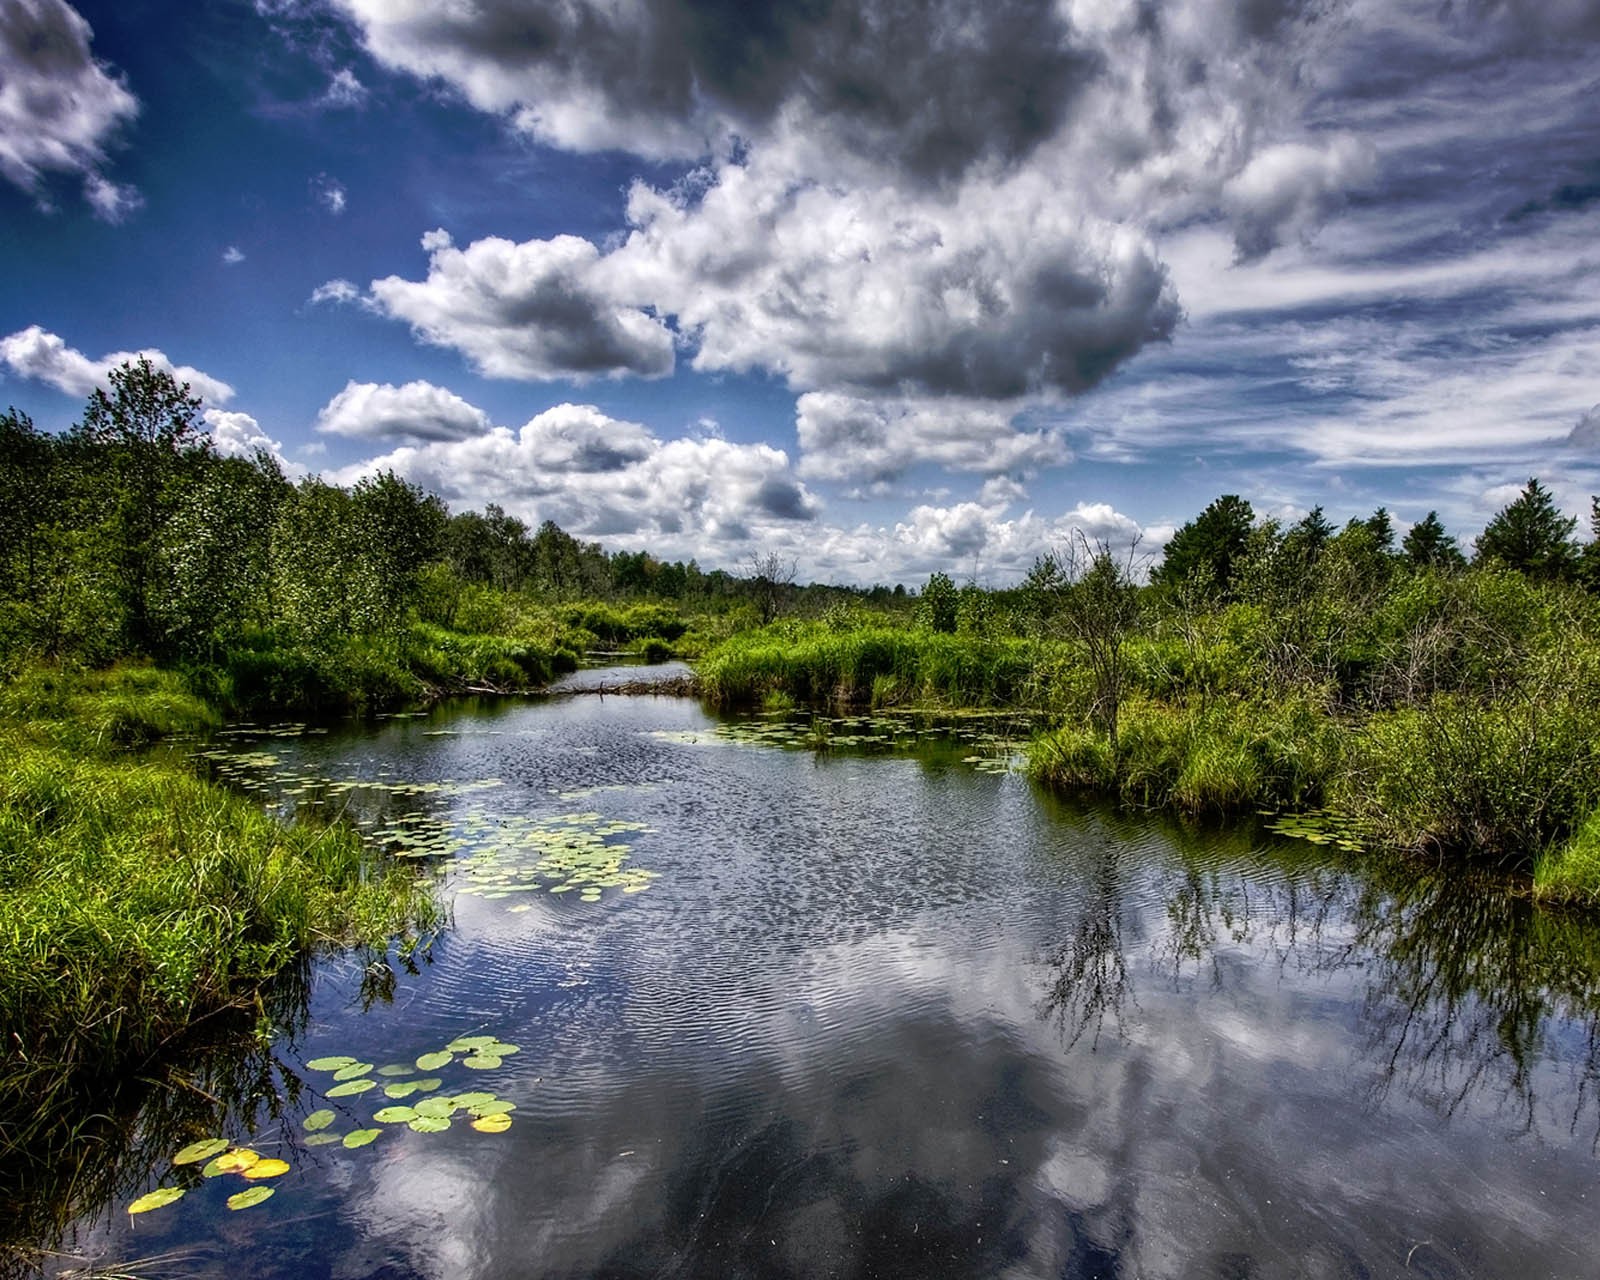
(336, 291)
(538, 310)
(44, 357)
(238, 435)
(233, 255)
(418, 411)
(59, 107)
(597, 476)
(330, 194)
(344, 90)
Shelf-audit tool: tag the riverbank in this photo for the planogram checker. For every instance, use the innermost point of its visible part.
(138, 900)
(1430, 734)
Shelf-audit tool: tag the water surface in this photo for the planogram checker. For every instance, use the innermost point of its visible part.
(882, 1012)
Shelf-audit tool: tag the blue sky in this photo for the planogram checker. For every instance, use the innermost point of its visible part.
(885, 286)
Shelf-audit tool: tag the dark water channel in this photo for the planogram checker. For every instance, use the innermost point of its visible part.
(890, 1013)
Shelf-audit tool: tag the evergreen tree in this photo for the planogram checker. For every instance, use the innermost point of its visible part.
(1532, 536)
(1429, 546)
(1211, 546)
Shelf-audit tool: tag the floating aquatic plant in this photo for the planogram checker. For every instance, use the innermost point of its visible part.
(202, 1150)
(247, 1199)
(157, 1199)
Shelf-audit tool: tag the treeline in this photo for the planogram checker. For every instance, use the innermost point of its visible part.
(128, 535)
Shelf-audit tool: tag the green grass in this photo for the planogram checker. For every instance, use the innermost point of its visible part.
(876, 665)
(137, 900)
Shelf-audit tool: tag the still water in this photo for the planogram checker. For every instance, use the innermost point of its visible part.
(886, 1010)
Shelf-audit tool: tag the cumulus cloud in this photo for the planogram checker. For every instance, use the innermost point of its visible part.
(418, 411)
(233, 255)
(845, 437)
(1291, 188)
(598, 476)
(537, 310)
(1585, 433)
(238, 435)
(344, 90)
(45, 357)
(59, 107)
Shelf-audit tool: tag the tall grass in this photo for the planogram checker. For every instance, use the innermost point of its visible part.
(137, 900)
(877, 665)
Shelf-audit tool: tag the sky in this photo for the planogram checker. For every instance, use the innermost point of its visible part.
(880, 286)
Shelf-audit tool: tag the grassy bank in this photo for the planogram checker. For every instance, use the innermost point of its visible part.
(137, 900)
(1454, 717)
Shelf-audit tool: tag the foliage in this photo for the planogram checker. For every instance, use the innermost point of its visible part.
(1532, 536)
(1211, 545)
(938, 605)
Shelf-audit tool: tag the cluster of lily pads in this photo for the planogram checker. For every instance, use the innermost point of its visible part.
(432, 1111)
(989, 750)
(222, 1158)
(1318, 826)
(572, 853)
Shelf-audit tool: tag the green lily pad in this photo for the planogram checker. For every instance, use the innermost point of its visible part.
(254, 1196)
(330, 1064)
(472, 1099)
(202, 1150)
(494, 1107)
(404, 1089)
(436, 1108)
(433, 1061)
(324, 1139)
(467, 1043)
(157, 1199)
(360, 1137)
(317, 1121)
(395, 1115)
(481, 1061)
(500, 1049)
(351, 1087)
(430, 1124)
(354, 1070)
(396, 1069)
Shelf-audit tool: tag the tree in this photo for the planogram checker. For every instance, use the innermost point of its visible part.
(1532, 536)
(1428, 546)
(28, 501)
(937, 607)
(1212, 545)
(1100, 609)
(771, 576)
(144, 442)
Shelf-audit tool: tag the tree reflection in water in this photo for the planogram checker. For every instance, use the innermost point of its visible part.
(1469, 990)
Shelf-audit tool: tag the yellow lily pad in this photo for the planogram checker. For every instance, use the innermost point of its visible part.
(266, 1169)
(202, 1150)
(497, 1123)
(157, 1199)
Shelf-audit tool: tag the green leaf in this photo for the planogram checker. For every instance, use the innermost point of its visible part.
(157, 1199)
(352, 1087)
(437, 1108)
(471, 1099)
(481, 1061)
(330, 1064)
(396, 1069)
(430, 1124)
(360, 1137)
(433, 1061)
(404, 1089)
(467, 1043)
(395, 1115)
(202, 1150)
(494, 1107)
(254, 1196)
(500, 1049)
(324, 1139)
(352, 1071)
(317, 1121)
(429, 1085)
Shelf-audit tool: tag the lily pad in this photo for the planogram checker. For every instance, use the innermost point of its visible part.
(157, 1199)
(429, 1085)
(395, 1115)
(351, 1087)
(436, 1108)
(396, 1069)
(360, 1137)
(401, 1089)
(497, 1123)
(324, 1139)
(237, 1161)
(430, 1124)
(267, 1169)
(202, 1150)
(481, 1061)
(317, 1121)
(331, 1064)
(354, 1070)
(433, 1061)
(500, 1049)
(245, 1199)
(467, 1043)
(471, 1099)
(494, 1107)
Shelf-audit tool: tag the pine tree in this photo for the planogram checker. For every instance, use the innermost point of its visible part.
(1531, 535)
(1429, 546)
